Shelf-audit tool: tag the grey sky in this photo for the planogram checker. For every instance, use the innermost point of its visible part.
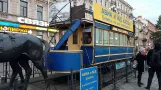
(149, 9)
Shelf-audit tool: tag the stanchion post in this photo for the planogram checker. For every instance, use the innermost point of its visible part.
(126, 69)
(114, 73)
(100, 78)
(6, 73)
(71, 79)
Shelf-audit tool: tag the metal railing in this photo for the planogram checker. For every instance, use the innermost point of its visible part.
(107, 74)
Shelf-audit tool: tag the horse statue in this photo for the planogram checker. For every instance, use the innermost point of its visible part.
(18, 49)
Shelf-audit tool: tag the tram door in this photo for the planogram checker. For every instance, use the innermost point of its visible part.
(73, 40)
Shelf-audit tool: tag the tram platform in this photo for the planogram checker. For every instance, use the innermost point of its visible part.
(132, 83)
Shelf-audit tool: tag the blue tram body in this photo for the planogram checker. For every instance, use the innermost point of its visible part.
(100, 43)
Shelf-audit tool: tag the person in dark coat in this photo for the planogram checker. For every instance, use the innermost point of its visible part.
(140, 58)
(152, 69)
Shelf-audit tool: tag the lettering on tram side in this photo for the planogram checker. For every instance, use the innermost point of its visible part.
(89, 79)
(103, 14)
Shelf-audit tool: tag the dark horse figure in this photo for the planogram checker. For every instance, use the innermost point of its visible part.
(17, 49)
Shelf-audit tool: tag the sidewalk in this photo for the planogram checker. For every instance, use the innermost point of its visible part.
(132, 84)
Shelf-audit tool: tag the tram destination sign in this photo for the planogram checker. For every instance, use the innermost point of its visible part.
(107, 16)
(89, 79)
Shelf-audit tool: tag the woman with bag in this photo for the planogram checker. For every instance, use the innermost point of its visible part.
(140, 58)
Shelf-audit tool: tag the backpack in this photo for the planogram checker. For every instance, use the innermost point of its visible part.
(155, 60)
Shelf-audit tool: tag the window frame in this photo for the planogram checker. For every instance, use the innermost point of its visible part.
(99, 29)
(24, 7)
(2, 1)
(40, 12)
(118, 43)
(108, 41)
(39, 35)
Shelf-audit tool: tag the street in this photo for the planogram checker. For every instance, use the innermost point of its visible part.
(132, 84)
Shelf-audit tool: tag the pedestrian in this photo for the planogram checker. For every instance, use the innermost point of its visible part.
(140, 58)
(154, 63)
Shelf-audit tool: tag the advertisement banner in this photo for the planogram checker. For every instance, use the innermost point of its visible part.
(107, 16)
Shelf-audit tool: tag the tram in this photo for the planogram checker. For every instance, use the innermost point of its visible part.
(108, 37)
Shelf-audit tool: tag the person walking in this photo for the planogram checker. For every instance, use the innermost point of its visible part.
(140, 58)
(154, 63)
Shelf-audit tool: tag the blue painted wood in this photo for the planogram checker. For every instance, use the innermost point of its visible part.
(76, 24)
(101, 50)
(87, 54)
(101, 59)
(99, 25)
(58, 61)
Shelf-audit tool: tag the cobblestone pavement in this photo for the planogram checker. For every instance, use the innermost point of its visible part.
(132, 84)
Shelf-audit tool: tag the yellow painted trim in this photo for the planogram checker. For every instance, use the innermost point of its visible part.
(122, 59)
(112, 45)
(111, 55)
(66, 51)
(65, 72)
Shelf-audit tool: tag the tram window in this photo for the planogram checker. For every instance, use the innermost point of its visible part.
(105, 37)
(121, 39)
(111, 38)
(116, 39)
(98, 36)
(75, 37)
(87, 39)
(125, 40)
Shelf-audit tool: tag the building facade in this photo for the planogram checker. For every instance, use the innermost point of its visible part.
(151, 29)
(144, 31)
(139, 34)
(25, 16)
(119, 6)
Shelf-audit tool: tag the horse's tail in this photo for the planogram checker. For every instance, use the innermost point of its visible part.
(47, 47)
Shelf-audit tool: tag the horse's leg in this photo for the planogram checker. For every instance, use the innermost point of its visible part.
(16, 69)
(24, 63)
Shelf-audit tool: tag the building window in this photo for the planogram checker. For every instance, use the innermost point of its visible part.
(75, 37)
(105, 37)
(39, 13)
(23, 8)
(39, 34)
(3, 5)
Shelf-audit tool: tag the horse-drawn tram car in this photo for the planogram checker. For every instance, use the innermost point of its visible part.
(105, 40)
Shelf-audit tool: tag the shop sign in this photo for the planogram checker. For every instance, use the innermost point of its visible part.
(32, 22)
(12, 29)
(110, 17)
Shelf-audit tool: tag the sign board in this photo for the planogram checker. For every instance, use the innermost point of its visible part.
(110, 17)
(13, 29)
(120, 65)
(64, 14)
(32, 22)
(89, 79)
(119, 30)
